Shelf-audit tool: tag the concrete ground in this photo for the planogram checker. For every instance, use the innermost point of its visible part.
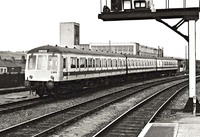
(183, 125)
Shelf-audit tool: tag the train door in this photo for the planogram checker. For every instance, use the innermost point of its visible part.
(65, 68)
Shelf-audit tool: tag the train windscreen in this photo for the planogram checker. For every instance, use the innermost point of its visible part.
(53, 62)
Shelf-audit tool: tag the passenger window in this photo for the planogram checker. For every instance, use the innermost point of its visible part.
(98, 62)
(105, 63)
(64, 62)
(1, 70)
(82, 62)
(109, 62)
(77, 63)
(73, 62)
(93, 64)
(89, 62)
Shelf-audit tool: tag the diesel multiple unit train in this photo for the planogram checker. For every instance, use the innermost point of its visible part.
(53, 69)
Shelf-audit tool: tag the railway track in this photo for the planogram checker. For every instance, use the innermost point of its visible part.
(131, 123)
(48, 123)
(23, 104)
(29, 103)
(11, 90)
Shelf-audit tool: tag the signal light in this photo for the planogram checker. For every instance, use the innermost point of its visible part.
(127, 4)
(140, 4)
(116, 5)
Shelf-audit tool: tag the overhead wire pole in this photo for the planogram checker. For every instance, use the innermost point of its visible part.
(192, 64)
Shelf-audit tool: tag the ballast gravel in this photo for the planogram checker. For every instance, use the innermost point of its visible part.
(91, 124)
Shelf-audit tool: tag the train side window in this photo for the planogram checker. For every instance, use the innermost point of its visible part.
(97, 62)
(1, 70)
(89, 62)
(124, 63)
(93, 64)
(114, 62)
(64, 62)
(101, 60)
(78, 62)
(109, 62)
(86, 63)
(73, 62)
(82, 62)
(120, 63)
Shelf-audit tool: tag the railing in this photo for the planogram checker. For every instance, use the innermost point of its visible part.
(122, 5)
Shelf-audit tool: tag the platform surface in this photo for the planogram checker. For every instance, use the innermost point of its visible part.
(183, 125)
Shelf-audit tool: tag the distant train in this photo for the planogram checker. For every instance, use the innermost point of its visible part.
(53, 69)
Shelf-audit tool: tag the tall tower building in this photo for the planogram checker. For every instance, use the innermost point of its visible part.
(69, 34)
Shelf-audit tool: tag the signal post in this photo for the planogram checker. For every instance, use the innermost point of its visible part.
(143, 10)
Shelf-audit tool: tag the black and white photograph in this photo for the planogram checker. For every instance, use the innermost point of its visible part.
(99, 68)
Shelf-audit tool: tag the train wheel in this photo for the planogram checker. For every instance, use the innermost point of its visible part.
(40, 94)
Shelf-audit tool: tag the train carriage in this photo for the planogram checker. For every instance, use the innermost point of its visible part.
(140, 64)
(168, 66)
(52, 66)
(53, 69)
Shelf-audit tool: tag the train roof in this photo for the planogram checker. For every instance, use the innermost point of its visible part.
(62, 50)
(137, 56)
(166, 58)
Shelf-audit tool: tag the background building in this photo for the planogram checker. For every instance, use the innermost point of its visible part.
(69, 34)
(8, 66)
(70, 37)
(127, 48)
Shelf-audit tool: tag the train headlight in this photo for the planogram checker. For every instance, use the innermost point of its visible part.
(30, 76)
(27, 83)
(50, 85)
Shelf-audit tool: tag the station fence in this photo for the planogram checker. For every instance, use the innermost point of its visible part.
(11, 80)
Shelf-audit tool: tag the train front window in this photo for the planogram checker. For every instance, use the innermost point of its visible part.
(31, 62)
(53, 62)
(42, 62)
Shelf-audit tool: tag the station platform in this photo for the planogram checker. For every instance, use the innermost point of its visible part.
(182, 125)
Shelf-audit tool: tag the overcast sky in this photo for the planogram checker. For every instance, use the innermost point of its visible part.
(27, 24)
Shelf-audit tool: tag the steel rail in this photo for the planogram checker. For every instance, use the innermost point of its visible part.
(50, 124)
(29, 103)
(135, 130)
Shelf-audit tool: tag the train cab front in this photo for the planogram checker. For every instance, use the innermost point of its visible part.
(42, 72)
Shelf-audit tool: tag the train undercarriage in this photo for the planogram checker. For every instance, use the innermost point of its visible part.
(51, 88)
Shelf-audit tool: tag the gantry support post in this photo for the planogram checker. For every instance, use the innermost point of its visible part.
(192, 104)
(191, 15)
(175, 27)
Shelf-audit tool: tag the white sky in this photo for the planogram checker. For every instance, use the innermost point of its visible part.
(26, 24)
